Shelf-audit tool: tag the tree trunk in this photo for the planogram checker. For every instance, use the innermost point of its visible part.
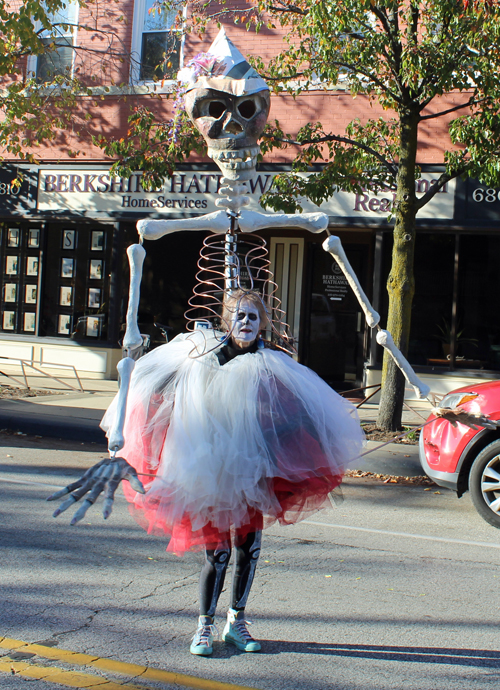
(401, 283)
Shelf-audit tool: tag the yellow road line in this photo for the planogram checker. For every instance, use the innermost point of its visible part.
(76, 679)
(50, 674)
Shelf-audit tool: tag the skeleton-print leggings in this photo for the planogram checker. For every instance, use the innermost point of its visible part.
(247, 551)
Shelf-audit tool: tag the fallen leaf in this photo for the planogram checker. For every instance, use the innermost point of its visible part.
(437, 492)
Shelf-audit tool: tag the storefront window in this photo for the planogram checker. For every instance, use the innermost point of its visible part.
(21, 274)
(76, 283)
(432, 302)
(453, 324)
(478, 319)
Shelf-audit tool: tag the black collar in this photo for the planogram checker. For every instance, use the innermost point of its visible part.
(228, 352)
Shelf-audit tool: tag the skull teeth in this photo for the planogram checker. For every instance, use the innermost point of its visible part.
(238, 156)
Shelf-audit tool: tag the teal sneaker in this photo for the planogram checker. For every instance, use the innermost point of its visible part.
(236, 632)
(204, 637)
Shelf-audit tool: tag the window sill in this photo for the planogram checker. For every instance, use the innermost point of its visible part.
(54, 340)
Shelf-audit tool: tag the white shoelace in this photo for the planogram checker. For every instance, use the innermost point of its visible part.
(203, 633)
(241, 628)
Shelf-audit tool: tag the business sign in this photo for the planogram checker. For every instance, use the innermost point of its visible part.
(94, 191)
(97, 191)
(481, 202)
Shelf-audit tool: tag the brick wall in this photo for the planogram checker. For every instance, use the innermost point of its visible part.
(109, 113)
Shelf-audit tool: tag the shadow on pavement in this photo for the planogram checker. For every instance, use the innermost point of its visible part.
(482, 658)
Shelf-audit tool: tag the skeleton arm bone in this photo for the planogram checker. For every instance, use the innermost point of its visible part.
(252, 221)
(384, 338)
(116, 440)
(211, 222)
(107, 474)
(132, 340)
(133, 337)
(333, 246)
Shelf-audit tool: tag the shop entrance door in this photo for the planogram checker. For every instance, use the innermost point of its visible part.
(335, 325)
(287, 259)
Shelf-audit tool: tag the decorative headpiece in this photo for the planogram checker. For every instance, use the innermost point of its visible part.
(223, 68)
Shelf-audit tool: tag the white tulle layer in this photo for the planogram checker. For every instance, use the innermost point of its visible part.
(229, 442)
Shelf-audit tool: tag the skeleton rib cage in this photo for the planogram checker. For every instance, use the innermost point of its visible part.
(226, 264)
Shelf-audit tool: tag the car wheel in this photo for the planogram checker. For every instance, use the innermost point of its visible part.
(484, 483)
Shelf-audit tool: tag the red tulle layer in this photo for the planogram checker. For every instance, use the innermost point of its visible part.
(304, 491)
(297, 500)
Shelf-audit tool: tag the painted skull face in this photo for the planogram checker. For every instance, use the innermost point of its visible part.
(231, 126)
(246, 324)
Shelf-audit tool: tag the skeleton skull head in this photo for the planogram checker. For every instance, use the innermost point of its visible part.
(230, 125)
(228, 102)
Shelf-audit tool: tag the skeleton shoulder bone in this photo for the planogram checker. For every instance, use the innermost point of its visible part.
(248, 221)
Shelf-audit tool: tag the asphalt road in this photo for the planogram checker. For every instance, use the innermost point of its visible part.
(396, 588)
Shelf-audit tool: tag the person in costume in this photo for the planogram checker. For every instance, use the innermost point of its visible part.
(231, 441)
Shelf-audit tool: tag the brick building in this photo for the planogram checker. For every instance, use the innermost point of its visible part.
(65, 230)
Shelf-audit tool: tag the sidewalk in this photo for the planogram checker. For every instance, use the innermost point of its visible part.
(68, 414)
(75, 416)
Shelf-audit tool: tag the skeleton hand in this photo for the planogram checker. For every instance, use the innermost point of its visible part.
(471, 419)
(104, 476)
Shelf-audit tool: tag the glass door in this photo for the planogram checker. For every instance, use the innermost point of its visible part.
(77, 281)
(335, 329)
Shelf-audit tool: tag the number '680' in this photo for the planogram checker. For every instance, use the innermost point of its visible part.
(488, 195)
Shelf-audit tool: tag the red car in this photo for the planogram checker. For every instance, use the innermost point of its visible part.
(461, 458)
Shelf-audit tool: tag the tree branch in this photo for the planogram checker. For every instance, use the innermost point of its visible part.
(393, 64)
(415, 16)
(293, 9)
(470, 102)
(434, 189)
(342, 140)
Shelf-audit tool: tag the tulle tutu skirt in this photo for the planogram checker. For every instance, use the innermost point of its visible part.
(234, 447)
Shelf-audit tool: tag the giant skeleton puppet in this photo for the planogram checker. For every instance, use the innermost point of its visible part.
(229, 432)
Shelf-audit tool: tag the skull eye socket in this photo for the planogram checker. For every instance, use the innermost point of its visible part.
(216, 109)
(247, 109)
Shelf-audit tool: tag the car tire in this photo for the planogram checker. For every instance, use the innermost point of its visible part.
(484, 483)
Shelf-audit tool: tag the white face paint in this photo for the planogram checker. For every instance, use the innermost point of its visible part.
(245, 324)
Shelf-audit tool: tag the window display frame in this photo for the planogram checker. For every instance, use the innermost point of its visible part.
(13, 235)
(11, 262)
(69, 271)
(29, 316)
(28, 299)
(32, 265)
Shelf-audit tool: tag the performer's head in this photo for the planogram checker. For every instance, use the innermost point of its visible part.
(244, 315)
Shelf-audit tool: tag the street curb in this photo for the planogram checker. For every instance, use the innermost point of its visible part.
(52, 426)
